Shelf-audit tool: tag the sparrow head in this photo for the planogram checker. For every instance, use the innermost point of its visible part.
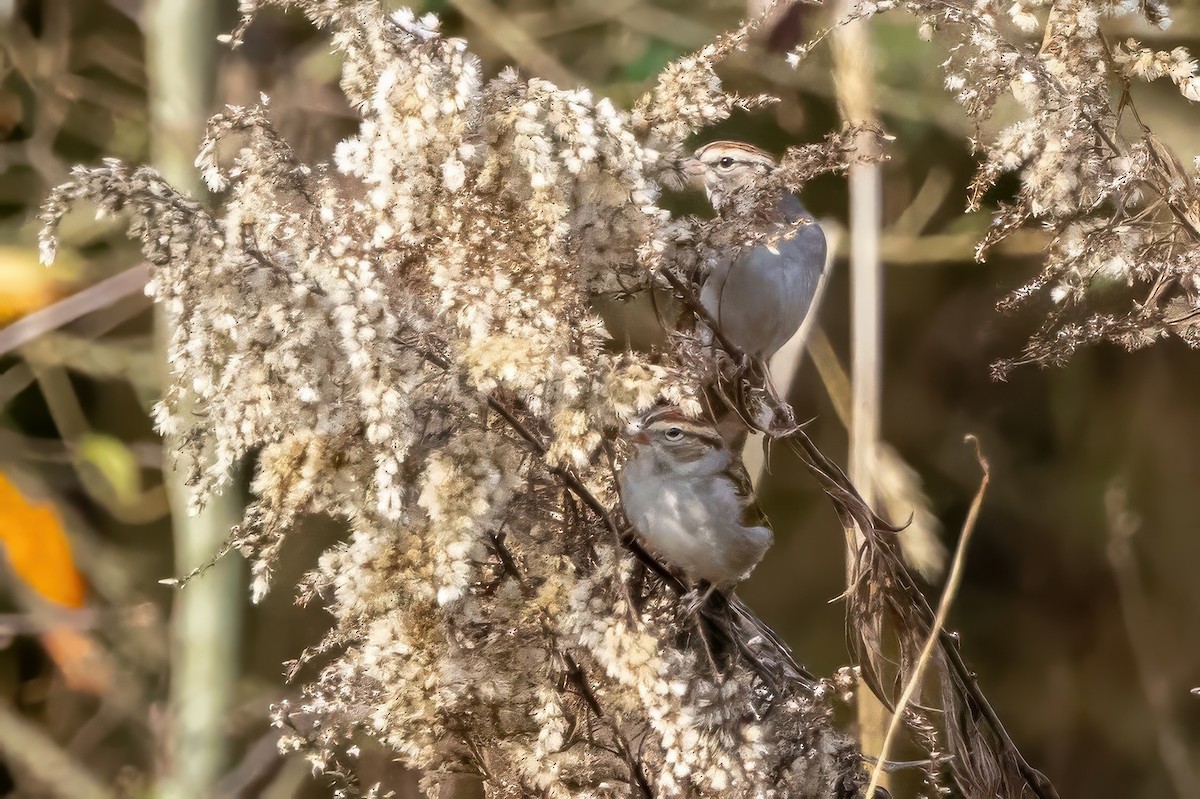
(673, 437)
(728, 167)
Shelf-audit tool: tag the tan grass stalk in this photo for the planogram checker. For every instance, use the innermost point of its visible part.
(939, 622)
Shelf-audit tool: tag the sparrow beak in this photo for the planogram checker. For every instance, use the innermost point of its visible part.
(693, 170)
(636, 434)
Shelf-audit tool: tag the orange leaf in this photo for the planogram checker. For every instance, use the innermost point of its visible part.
(80, 660)
(28, 286)
(37, 547)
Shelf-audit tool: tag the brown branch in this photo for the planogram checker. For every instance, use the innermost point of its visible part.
(578, 677)
(569, 478)
(575, 672)
(572, 481)
(689, 298)
(721, 623)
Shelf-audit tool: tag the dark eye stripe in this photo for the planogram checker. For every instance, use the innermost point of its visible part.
(696, 431)
(667, 416)
(748, 153)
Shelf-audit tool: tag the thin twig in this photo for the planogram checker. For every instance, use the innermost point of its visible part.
(27, 746)
(912, 221)
(626, 538)
(572, 481)
(578, 678)
(575, 672)
(67, 310)
(260, 764)
(685, 293)
(852, 510)
(899, 485)
(939, 622)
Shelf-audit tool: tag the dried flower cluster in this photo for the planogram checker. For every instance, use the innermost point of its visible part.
(405, 338)
(1122, 212)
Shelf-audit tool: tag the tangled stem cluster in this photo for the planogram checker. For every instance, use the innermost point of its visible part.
(1121, 211)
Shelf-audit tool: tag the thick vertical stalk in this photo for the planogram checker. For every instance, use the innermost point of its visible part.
(853, 72)
(206, 623)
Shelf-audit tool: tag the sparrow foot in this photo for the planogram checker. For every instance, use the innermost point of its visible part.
(696, 599)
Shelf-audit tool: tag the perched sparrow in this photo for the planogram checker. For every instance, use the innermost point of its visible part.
(759, 296)
(690, 499)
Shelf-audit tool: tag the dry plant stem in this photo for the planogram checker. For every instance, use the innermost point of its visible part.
(569, 478)
(19, 377)
(206, 624)
(900, 491)
(516, 42)
(843, 493)
(579, 680)
(932, 194)
(259, 767)
(61, 400)
(1172, 743)
(853, 64)
(939, 623)
(67, 310)
(685, 293)
(26, 746)
(69, 418)
(47, 56)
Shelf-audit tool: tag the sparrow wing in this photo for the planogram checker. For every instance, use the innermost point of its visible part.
(762, 292)
(803, 249)
(752, 512)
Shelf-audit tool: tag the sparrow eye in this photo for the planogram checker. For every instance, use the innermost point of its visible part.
(726, 162)
(673, 434)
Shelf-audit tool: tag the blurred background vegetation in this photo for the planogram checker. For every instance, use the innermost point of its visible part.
(1080, 609)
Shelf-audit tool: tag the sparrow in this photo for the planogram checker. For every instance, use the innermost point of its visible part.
(759, 295)
(689, 499)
